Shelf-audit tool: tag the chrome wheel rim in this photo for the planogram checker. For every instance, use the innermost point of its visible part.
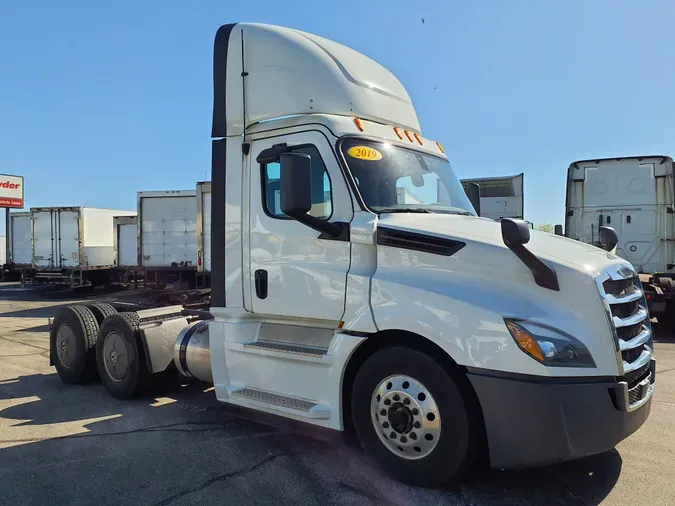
(405, 417)
(115, 357)
(65, 345)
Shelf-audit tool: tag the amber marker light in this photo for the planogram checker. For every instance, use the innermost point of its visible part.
(525, 341)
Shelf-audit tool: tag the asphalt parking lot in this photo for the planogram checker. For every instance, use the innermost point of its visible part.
(62, 444)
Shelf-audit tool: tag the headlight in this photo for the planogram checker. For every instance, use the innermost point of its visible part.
(549, 346)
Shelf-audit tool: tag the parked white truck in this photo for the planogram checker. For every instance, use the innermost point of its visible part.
(167, 236)
(431, 333)
(501, 196)
(635, 196)
(73, 245)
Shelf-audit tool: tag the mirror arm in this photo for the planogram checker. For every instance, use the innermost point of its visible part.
(544, 276)
(515, 235)
(328, 230)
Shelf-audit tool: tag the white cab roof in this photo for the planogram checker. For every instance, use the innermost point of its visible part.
(289, 72)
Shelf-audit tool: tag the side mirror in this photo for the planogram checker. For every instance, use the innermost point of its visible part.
(296, 196)
(472, 191)
(296, 184)
(515, 232)
(608, 238)
(558, 230)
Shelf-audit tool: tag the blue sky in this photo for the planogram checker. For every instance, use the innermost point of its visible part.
(99, 100)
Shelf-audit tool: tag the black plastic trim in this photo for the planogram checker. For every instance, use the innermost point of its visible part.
(417, 242)
(220, 47)
(532, 378)
(218, 164)
(342, 236)
(218, 221)
(533, 423)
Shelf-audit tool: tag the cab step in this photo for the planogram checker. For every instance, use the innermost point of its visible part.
(293, 405)
(285, 351)
(287, 348)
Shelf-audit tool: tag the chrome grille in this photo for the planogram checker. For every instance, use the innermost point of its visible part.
(627, 312)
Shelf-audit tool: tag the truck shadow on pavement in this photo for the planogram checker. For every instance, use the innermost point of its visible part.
(179, 445)
(662, 334)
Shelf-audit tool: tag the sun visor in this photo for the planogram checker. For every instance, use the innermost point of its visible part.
(288, 72)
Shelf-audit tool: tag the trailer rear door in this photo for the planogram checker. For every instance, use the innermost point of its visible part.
(169, 230)
(56, 238)
(632, 195)
(20, 240)
(127, 240)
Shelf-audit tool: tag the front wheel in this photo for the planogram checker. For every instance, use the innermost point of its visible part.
(411, 418)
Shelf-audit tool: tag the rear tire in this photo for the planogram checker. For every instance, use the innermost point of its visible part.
(101, 311)
(73, 344)
(411, 418)
(120, 357)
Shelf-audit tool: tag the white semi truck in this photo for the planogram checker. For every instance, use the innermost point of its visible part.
(500, 196)
(635, 196)
(432, 334)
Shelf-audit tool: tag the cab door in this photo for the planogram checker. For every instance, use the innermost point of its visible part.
(294, 273)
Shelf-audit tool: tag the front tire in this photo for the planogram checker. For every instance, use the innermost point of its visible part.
(411, 417)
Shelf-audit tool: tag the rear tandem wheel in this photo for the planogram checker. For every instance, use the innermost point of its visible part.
(72, 343)
(120, 358)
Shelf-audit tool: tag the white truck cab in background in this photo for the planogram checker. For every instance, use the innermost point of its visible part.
(634, 195)
(341, 301)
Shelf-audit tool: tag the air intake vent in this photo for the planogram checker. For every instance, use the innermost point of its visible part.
(417, 242)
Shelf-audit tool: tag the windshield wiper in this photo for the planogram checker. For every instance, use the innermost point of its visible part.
(403, 210)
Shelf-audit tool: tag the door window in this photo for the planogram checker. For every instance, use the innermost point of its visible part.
(322, 202)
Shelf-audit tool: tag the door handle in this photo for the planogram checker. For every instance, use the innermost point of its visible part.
(261, 283)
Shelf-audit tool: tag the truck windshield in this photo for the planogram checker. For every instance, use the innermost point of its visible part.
(394, 179)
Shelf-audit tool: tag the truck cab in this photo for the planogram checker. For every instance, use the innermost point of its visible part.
(634, 195)
(346, 294)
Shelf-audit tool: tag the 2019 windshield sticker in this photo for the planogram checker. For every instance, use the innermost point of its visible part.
(364, 153)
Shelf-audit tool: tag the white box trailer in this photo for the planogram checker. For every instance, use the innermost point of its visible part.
(204, 226)
(125, 241)
(69, 241)
(20, 236)
(500, 197)
(167, 229)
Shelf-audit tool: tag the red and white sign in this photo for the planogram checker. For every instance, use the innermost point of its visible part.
(11, 191)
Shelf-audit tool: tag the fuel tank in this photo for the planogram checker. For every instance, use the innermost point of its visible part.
(192, 354)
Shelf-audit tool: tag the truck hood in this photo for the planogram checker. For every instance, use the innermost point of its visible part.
(550, 247)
